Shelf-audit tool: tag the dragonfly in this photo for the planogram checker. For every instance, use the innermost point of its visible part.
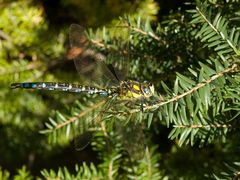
(92, 65)
(99, 77)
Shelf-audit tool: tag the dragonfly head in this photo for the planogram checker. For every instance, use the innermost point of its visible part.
(148, 89)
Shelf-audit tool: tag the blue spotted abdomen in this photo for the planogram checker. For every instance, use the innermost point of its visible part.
(53, 86)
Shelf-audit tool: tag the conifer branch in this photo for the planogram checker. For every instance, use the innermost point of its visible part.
(199, 85)
(224, 38)
(145, 33)
(98, 43)
(149, 163)
(83, 113)
(193, 126)
(110, 170)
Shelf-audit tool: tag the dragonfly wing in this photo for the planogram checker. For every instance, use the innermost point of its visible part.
(85, 128)
(89, 63)
(120, 66)
(133, 139)
(121, 53)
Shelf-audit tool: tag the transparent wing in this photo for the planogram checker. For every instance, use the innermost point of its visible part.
(85, 128)
(90, 64)
(133, 139)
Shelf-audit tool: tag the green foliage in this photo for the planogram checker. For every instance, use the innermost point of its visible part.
(203, 108)
(232, 171)
(83, 172)
(191, 57)
(21, 174)
(4, 174)
(98, 12)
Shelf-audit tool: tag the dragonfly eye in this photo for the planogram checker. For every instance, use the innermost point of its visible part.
(146, 90)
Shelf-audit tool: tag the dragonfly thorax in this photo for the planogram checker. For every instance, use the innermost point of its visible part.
(136, 90)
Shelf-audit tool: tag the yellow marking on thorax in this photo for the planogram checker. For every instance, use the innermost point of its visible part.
(131, 94)
(135, 95)
(131, 90)
(136, 87)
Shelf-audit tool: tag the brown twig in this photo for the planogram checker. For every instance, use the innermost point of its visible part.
(5, 36)
(199, 85)
(72, 119)
(193, 126)
(145, 33)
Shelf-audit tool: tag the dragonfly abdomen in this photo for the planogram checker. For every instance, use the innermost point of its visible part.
(53, 86)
